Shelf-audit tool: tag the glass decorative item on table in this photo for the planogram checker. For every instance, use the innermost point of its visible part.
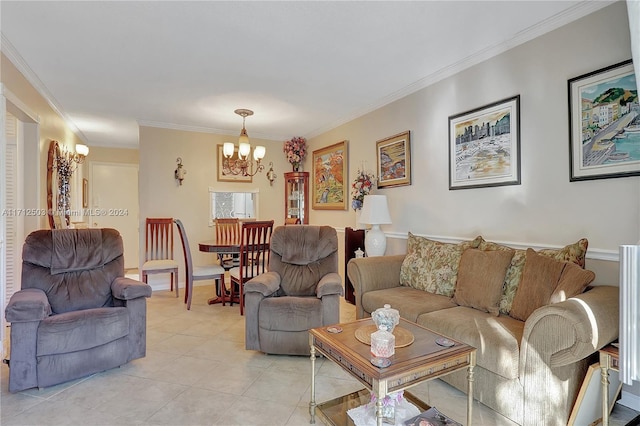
(383, 346)
(386, 316)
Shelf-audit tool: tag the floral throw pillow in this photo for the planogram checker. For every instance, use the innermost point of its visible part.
(432, 266)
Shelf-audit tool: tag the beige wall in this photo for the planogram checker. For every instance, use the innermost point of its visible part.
(546, 209)
(51, 127)
(113, 155)
(162, 196)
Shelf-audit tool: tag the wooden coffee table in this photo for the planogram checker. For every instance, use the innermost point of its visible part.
(422, 360)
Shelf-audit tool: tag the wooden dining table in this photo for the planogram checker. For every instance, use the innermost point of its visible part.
(213, 247)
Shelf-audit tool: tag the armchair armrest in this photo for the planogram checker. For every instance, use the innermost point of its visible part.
(265, 284)
(580, 325)
(331, 283)
(128, 289)
(373, 273)
(26, 305)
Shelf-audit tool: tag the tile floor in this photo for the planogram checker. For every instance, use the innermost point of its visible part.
(197, 372)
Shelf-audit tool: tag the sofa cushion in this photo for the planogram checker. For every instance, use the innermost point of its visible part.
(573, 281)
(410, 302)
(81, 330)
(495, 338)
(574, 253)
(539, 279)
(480, 278)
(290, 313)
(432, 266)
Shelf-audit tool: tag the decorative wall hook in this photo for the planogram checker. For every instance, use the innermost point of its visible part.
(180, 171)
(271, 175)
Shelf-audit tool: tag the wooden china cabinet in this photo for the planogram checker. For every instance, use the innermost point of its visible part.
(296, 201)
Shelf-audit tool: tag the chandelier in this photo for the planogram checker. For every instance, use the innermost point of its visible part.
(242, 165)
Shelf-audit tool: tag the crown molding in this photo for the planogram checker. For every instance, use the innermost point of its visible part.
(578, 11)
(18, 61)
(211, 130)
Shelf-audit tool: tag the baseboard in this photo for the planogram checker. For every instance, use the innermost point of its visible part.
(630, 400)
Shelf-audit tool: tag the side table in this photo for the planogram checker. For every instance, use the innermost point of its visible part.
(609, 360)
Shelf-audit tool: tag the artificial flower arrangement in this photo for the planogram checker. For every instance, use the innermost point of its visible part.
(361, 186)
(389, 404)
(296, 150)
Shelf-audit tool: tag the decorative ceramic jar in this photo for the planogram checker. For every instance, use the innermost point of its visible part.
(386, 316)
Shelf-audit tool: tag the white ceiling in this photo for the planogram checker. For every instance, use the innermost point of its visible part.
(304, 67)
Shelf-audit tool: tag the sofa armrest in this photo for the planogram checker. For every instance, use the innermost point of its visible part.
(373, 273)
(579, 326)
(128, 289)
(265, 284)
(26, 305)
(331, 283)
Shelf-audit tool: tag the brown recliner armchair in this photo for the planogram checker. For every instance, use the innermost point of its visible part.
(301, 290)
(76, 313)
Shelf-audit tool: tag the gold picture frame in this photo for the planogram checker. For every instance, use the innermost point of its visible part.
(85, 193)
(234, 175)
(394, 160)
(328, 189)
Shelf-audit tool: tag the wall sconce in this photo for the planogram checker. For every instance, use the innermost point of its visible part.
(242, 164)
(271, 175)
(66, 162)
(180, 171)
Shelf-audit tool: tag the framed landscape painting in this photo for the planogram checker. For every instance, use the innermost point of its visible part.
(394, 160)
(604, 124)
(233, 172)
(484, 146)
(328, 189)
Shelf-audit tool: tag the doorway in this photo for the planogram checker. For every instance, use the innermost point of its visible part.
(113, 203)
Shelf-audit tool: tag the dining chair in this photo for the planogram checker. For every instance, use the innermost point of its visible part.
(158, 250)
(255, 239)
(292, 221)
(228, 232)
(197, 273)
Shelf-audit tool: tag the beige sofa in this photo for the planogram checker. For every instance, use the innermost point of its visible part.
(529, 368)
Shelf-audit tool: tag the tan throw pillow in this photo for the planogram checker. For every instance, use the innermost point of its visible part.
(480, 279)
(572, 282)
(432, 266)
(539, 279)
(574, 253)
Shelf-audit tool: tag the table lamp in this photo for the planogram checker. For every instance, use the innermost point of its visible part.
(375, 212)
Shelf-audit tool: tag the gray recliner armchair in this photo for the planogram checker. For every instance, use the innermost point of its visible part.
(76, 313)
(301, 290)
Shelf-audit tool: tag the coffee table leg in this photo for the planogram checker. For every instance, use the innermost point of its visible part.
(470, 378)
(312, 403)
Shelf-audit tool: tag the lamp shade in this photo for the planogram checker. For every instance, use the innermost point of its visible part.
(375, 210)
(82, 149)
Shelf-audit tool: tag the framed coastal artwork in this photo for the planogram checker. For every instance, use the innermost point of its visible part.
(394, 160)
(328, 189)
(484, 146)
(604, 124)
(231, 172)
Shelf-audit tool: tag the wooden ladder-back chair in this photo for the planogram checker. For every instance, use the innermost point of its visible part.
(228, 232)
(197, 273)
(158, 250)
(255, 240)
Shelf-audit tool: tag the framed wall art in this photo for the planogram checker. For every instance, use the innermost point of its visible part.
(85, 193)
(232, 173)
(328, 190)
(484, 146)
(604, 124)
(394, 160)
